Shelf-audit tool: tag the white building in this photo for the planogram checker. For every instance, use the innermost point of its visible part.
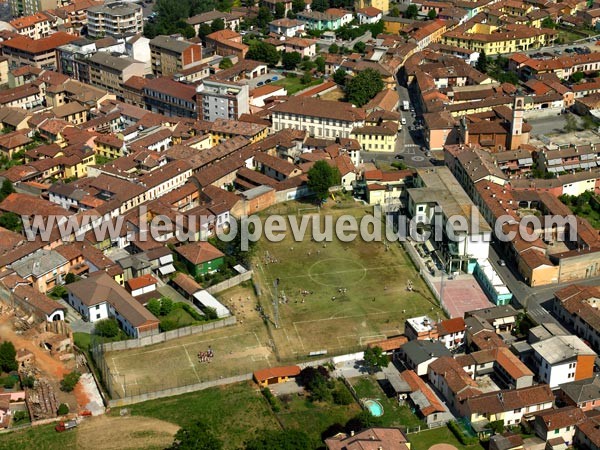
(286, 27)
(562, 359)
(115, 19)
(100, 297)
(321, 118)
(206, 300)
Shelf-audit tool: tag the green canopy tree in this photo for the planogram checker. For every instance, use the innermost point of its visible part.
(375, 359)
(482, 62)
(107, 328)
(280, 440)
(279, 10)
(8, 357)
(263, 51)
(217, 25)
(321, 177)
(411, 12)
(290, 60)
(339, 76)
(197, 436)
(363, 87)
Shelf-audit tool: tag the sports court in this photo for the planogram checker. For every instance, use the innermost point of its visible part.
(461, 295)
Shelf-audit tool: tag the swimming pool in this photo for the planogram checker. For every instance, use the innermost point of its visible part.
(374, 408)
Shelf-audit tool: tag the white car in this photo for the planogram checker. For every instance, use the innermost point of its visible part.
(403, 121)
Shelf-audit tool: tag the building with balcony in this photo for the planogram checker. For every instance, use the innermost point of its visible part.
(110, 72)
(115, 19)
(223, 100)
(171, 55)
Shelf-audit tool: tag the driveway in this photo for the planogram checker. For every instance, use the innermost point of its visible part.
(287, 388)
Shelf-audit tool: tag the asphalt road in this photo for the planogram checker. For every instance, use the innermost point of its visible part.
(549, 125)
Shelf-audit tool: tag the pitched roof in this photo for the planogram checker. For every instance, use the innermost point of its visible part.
(141, 282)
(276, 372)
(510, 399)
(28, 45)
(199, 252)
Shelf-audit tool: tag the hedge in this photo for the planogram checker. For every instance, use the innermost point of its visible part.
(460, 435)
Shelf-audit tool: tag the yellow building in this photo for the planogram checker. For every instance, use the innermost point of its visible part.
(376, 138)
(77, 167)
(495, 40)
(275, 375)
(223, 129)
(109, 146)
(383, 5)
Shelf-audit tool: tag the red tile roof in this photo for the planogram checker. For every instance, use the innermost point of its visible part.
(276, 372)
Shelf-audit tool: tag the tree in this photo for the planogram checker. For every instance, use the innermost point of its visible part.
(290, 60)
(411, 12)
(264, 17)
(27, 381)
(339, 76)
(279, 10)
(225, 64)
(571, 123)
(394, 12)
(63, 409)
(8, 357)
(482, 62)
(69, 381)
(548, 23)
(342, 396)
(577, 77)
(6, 189)
(320, 64)
(154, 307)
(197, 436)
(334, 48)
(107, 328)
(280, 440)
(375, 359)
(306, 77)
(204, 30)
(319, 5)
(432, 14)
(360, 47)
(361, 421)
(291, 14)
(217, 25)
(11, 221)
(70, 278)
(166, 306)
(262, 51)
(321, 177)
(363, 87)
(298, 5)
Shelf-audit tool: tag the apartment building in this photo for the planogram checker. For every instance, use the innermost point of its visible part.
(20, 8)
(561, 359)
(320, 118)
(170, 98)
(35, 26)
(110, 72)
(227, 43)
(230, 20)
(223, 100)
(577, 306)
(115, 20)
(171, 55)
(40, 53)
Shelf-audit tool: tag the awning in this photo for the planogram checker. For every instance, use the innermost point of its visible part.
(166, 270)
(166, 259)
(429, 246)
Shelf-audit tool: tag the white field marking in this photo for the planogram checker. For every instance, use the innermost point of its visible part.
(191, 363)
(377, 337)
(180, 345)
(115, 365)
(338, 272)
(344, 317)
(298, 334)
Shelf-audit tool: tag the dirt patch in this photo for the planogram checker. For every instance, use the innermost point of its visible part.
(120, 433)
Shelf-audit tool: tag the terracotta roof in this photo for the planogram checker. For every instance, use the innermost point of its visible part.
(450, 326)
(141, 282)
(561, 418)
(28, 45)
(199, 252)
(276, 372)
(510, 399)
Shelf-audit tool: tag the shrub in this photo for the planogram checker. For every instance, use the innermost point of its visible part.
(191, 311)
(168, 324)
(69, 381)
(460, 435)
(20, 416)
(27, 381)
(166, 306)
(273, 402)
(341, 396)
(107, 328)
(63, 409)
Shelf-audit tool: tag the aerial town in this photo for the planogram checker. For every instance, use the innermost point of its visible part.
(300, 224)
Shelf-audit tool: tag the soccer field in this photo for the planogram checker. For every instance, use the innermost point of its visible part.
(338, 296)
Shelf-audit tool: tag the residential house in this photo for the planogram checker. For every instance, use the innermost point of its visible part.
(452, 381)
(369, 15)
(286, 27)
(419, 354)
(45, 269)
(230, 20)
(275, 375)
(110, 72)
(35, 26)
(320, 21)
(388, 438)
(426, 402)
(100, 297)
(584, 394)
(40, 53)
(200, 257)
(558, 424)
(222, 100)
(170, 98)
(227, 43)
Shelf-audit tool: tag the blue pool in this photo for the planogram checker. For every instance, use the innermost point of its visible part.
(374, 407)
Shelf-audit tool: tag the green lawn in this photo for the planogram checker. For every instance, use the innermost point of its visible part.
(181, 317)
(82, 340)
(234, 412)
(394, 415)
(373, 305)
(42, 437)
(425, 439)
(314, 418)
(293, 85)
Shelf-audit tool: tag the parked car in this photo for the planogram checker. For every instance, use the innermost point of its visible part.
(260, 83)
(501, 263)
